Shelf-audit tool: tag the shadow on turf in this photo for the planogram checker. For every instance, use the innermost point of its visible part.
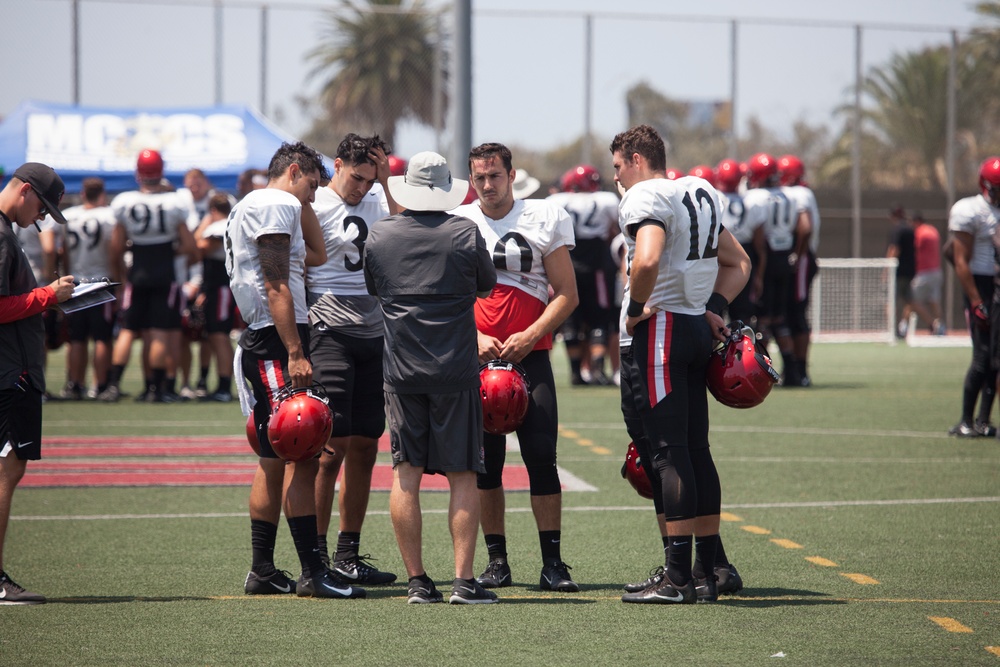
(778, 597)
(101, 599)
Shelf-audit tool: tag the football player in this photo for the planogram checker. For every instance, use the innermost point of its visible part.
(684, 269)
(972, 223)
(271, 236)
(154, 221)
(530, 240)
(89, 228)
(595, 223)
(346, 347)
(793, 181)
(781, 236)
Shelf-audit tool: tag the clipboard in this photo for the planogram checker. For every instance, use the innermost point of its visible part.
(87, 295)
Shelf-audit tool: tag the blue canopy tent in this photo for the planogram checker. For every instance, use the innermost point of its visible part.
(79, 141)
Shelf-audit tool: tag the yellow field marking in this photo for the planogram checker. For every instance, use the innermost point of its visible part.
(603, 451)
(788, 544)
(729, 516)
(756, 530)
(586, 442)
(950, 624)
(862, 579)
(570, 434)
(995, 650)
(819, 560)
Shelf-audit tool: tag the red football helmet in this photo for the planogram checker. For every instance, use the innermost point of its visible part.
(728, 175)
(739, 375)
(673, 174)
(633, 471)
(791, 170)
(397, 165)
(581, 178)
(703, 171)
(989, 180)
(762, 171)
(252, 434)
(504, 392)
(149, 166)
(300, 425)
(471, 195)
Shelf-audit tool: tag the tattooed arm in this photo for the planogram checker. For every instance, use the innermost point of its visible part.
(274, 250)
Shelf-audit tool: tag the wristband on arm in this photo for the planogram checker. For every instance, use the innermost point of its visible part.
(635, 308)
(716, 303)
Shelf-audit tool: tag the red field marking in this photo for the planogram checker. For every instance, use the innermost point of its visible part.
(98, 461)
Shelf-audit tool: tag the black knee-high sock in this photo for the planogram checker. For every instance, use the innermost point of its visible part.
(304, 535)
(347, 546)
(679, 559)
(704, 549)
(263, 535)
(549, 541)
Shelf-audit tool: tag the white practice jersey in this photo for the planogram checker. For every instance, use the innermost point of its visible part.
(150, 218)
(263, 212)
(345, 229)
(532, 230)
(32, 245)
(689, 209)
(595, 214)
(977, 217)
(776, 211)
(806, 201)
(88, 241)
(215, 231)
(734, 217)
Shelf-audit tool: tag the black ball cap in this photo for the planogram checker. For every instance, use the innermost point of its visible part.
(47, 185)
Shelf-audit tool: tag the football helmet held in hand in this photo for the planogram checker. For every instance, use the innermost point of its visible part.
(252, 434)
(739, 375)
(300, 425)
(633, 471)
(504, 392)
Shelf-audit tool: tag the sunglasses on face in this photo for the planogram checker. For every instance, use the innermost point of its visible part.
(43, 210)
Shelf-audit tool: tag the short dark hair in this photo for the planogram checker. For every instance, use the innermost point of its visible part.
(220, 203)
(92, 188)
(298, 153)
(490, 151)
(354, 149)
(644, 140)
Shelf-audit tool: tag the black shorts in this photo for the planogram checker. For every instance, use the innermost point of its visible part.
(152, 307)
(265, 366)
(350, 370)
(437, 432)
(220, 310)
(95, 323)
(778, 276)
(21, 423)
(596, 295)
(669, 359)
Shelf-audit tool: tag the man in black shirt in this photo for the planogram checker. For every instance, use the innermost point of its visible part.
(901, 247)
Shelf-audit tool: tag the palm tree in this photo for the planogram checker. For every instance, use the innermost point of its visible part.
(379, 59)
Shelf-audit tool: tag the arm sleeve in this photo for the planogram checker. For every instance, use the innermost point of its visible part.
(20, 306)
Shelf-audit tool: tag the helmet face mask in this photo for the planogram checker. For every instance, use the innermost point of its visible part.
(503, 388)
(300, 424)
(633, 471)
(739, 375)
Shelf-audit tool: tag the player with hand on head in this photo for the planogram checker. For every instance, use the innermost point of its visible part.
(530, 241)
(973, 224)
(346, 345)
(684, 268)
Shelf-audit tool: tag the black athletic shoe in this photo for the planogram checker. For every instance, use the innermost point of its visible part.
(555, 577)
(11, 593)
(325, 586)
(110, 395)
(276, 583)
(496, 574)
(964, 429)
(421, 593)
(707, 588)
(729, 580)
(985, 429)
(654, 579)
(359, 570)
(466, 592)
(665, 593)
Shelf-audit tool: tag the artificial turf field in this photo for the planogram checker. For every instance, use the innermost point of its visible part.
(864, 535)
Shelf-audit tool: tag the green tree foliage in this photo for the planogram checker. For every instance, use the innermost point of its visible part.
(377, 59)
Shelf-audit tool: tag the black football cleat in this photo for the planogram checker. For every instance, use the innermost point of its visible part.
(325, 586)
(654, 579)
(496, 574)
(359, 570)
(276, 583)
(470, 592)
(665, 593)
(555, 577)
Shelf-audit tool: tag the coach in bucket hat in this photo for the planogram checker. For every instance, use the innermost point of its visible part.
(47, 186)
(427, 185)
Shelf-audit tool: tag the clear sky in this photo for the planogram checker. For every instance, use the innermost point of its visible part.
(528, 70)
